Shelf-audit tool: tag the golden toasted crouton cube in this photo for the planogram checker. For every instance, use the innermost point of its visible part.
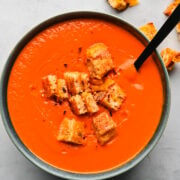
(98, 68)
(172, 6)
(49, 84)
(169, 57)
(71, 131)
(176, 57)
(98, 51)
(73, 82)
(113, 98)
(61, 92)
(76, 82)
(77, 105)
(149, 30)
(133, 2)
(84, 81)
(90, 103)
(118, 4)
(105, 128)
(99, 61)
(106, 137)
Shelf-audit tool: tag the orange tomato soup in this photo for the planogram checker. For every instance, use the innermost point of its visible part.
(62, 48)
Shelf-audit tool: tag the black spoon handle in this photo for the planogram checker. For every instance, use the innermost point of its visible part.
(161, 34)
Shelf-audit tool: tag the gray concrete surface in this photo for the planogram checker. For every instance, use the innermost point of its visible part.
(19, 16)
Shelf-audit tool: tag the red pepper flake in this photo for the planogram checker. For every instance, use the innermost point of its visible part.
(65, 65)
(64, 90)
(64, 112)
(110, 113)
(79, 49)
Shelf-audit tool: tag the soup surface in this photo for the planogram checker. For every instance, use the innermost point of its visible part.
(62, 48)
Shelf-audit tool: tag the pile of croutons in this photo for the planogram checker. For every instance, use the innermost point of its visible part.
(85, 92)
(169, 56)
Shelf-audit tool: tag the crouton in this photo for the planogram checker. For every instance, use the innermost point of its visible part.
(99, 61)
(99, 91)
(133, 2)
(49, 85)
(61, 92)
(169, 57)
(78, 105)
(99, 68)
(98, 51)
(171, 7)
(176, 57)
(169, 10)
(90, 103)
(113, 98)
(149, 30)
(84, 81)
(73, 82)
(118, 4)
(71, 131)
(76, 82)
(104, 127)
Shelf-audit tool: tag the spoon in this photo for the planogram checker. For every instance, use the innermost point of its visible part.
(161, 34)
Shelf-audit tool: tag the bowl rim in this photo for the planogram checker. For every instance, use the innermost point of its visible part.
(16, 139)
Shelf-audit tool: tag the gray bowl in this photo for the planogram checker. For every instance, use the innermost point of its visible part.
(25, 151)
